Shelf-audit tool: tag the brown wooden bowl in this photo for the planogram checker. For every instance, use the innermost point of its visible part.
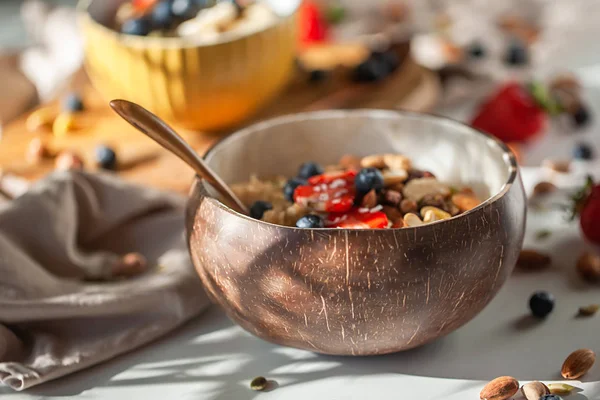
(358, 292)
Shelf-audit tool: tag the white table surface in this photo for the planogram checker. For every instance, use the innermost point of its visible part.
(211, 358)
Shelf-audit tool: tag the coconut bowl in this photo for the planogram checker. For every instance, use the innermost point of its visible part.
(358, 292)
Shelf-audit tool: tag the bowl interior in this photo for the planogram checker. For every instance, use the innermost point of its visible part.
(455, 153)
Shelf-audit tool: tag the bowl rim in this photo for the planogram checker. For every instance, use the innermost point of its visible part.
(149, 42)
(507, 155)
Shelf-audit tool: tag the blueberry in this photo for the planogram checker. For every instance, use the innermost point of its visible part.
(258, 209)
(550, 397)
(389, 59)
(309, 169)
(136, 26)
(106, 158)
(310, 221)
(161, 15)
(583, 151)
(318, 75)
(517, 54)
(368, 179)
(541, 304)
(476, 50)
(72, 103)
(370, 70)
(185, 9)
(581, 116)
(290, 186)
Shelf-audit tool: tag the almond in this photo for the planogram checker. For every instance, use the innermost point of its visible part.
(501, 388)
(369, 200)
(465, 202)
(532, 260)
(534, 390)
(578, 363)
(588, 267)
(543, 188)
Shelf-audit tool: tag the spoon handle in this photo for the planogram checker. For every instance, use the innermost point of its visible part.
(155, 128)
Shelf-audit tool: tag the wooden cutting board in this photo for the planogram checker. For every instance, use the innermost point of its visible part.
(143, 162)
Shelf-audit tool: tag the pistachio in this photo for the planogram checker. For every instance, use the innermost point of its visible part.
(465, 202)
(543, 188)
(589, 310)
(532, 260)
(374, 161)
(411, 219)
(560, 388)
(501, 388)
(431, 214)
(394, 176)
(588, 267)
(369, 200)
(259, 383)
(416, 189)
(397, 162)
(578, 363)
(534, 390)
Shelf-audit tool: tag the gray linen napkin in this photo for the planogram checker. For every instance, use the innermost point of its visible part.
(60, 308)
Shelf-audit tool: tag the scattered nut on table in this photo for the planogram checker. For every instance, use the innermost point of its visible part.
(543, 188)
(533, 260)
(588, 267)
(578, 363)
(501, 388)
(534, 390)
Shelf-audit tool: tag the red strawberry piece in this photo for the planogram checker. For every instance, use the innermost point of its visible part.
(589, 218)
(331, 177)
(324, 198)
(313, 26)
(358, 218)
(512, 115)
(143, 5)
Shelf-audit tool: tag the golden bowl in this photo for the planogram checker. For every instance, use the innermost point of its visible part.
(197, 86)
(358, 292)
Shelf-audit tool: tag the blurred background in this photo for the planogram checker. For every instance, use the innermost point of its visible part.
(525, 71)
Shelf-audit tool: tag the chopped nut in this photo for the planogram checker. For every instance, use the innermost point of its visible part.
(416, 189)
(557, 166)
(369, 200)
(397, 162)
(43, 117)
(588, 267)
(431, 214)
(374, 161)
(532, 260)
(36, 151)
(350, 161)
(67, 161)
(465, 202)
(411, 219)
(544, 188)
(408, 206)
(588, 311)
(392, 177)
(392, 198)
(543, 234)
(393, 214)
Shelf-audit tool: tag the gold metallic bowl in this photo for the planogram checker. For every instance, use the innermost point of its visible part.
(197, 86)
(358, 292)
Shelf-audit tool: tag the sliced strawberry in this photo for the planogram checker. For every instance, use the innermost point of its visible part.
(331, 177)
(358, 218)
(143, 5)
(312, 24)
(324, 198)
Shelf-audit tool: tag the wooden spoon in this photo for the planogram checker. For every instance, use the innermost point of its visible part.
(158, 130)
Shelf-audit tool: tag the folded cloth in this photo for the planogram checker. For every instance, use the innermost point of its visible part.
(61, 308)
